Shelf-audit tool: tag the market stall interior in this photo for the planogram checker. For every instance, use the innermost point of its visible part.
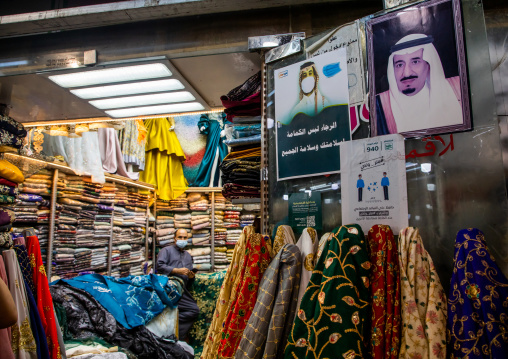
(244, 205)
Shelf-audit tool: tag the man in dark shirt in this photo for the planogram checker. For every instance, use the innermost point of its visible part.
(175, 261)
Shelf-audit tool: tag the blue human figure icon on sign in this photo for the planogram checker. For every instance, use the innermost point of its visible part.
(385, 182)
(360, 185)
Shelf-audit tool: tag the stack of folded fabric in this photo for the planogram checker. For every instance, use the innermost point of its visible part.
(121, 194)
(165, 236)
(183, 220)
(115, 261)
(229, 254)
(125, 255)
(26, 208)
(245, 132)
(99, 259)
(200, 237)
(38, 183)
(82, 260)
(65, 242)
(92, 191)
(163, 205)
(247, 219)
(12, 133)
(220, 236)
(220, 256)
(201, 258)
(241, 174)
(244, 100)
(180, 203)
(219, 202)
(137, 199)
(232, 219)
(107, 193)
(42, 231)
(233, 235)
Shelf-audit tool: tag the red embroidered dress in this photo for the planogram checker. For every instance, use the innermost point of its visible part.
(44, 300)
(385, 293)
(257, 259)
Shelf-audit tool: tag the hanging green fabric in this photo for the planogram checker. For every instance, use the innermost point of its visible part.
(215, 152)
(333, 318)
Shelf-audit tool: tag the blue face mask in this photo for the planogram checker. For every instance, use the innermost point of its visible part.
(181, 243)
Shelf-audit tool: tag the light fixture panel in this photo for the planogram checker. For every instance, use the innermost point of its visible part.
(143, 100)
(128, 89)
(111, 75)
(154, 110)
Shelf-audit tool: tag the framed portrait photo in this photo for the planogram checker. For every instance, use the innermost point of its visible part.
(417, 71)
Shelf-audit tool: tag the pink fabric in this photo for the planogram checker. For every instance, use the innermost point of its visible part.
(111, 154)
(5, 334)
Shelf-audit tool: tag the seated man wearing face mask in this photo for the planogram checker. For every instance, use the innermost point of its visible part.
(175, 261)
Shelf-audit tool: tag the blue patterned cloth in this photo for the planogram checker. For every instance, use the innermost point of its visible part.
(478, 301)
(133, 300)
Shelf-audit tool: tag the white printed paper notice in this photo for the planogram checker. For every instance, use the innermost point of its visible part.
(373, 178)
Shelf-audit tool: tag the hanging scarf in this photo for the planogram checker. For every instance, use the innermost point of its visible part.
(215, 152)
(22, 339)
(385, 293)
(423, 300)
(283, 236)
(227, 295)
(308, 245)
(273, 314)
(335, 310)
(44, 300)
(478, 303)
(257, 258)
(5, 333)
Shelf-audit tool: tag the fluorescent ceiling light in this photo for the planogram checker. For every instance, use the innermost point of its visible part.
(144, 100)
(153, 110)
(116, 74)
(128, 89)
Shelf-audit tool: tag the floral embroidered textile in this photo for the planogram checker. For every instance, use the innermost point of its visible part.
(227, 295)
(334, 313)
(478, 302)
(423, 301)
(205, 290)
(257, 259)
(385, 293)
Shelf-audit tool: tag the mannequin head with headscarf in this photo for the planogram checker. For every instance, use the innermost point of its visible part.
(419, 90)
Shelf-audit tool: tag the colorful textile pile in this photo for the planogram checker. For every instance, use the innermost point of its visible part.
(12, 133)
(241, 174)
(477, 305)
(244, 100)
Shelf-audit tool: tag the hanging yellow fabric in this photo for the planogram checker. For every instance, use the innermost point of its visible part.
(163, 159)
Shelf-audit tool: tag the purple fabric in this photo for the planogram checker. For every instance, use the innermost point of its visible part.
(6, 216)
(30, 197)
